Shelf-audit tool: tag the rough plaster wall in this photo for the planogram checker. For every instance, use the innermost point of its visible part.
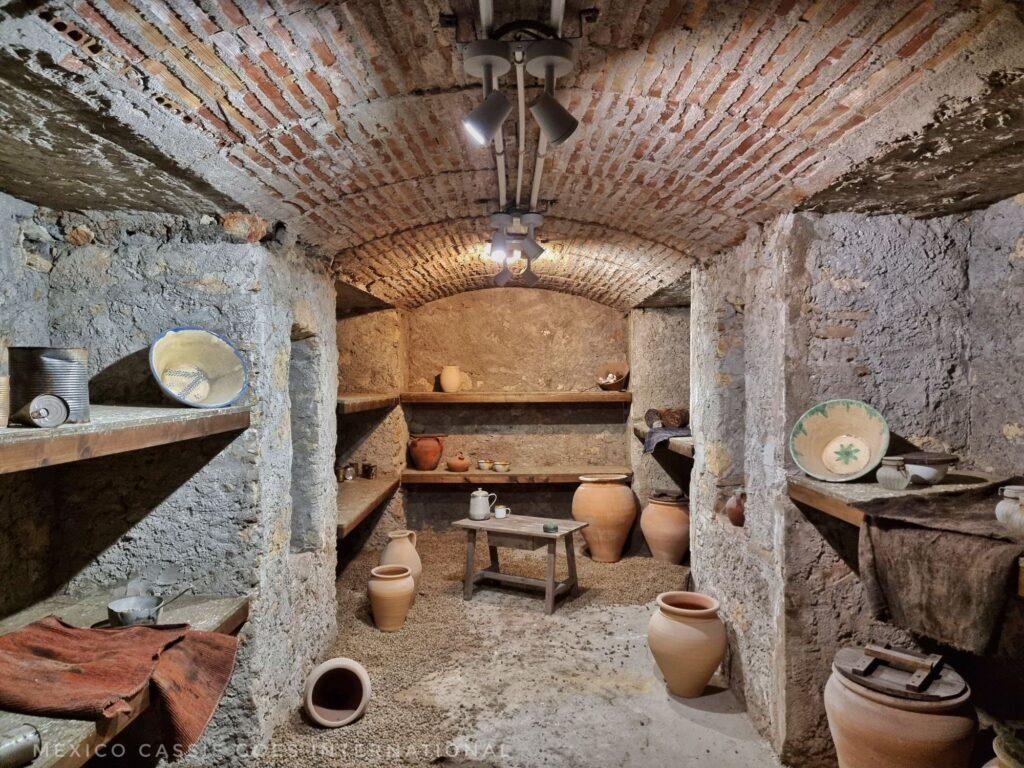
(659, 359)
(371, 352)
(514, 339)
(26, 503)
(996, 258)
(218, 508)
(887, 308)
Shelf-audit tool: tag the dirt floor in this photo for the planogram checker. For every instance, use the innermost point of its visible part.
(495, 682)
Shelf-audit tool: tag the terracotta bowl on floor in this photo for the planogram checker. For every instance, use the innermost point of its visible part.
(839, 440)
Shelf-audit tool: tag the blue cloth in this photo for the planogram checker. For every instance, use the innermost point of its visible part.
(661, 434)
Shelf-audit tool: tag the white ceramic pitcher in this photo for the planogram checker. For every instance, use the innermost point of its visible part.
(480, 503)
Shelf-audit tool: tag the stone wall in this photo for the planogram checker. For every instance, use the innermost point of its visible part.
(371, 352)
(217, 510)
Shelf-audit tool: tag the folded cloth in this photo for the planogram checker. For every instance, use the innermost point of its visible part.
(52, 669)
(660, 434)
(940, 567)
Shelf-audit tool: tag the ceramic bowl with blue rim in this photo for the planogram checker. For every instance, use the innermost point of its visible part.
(839, 440)
(197, 367)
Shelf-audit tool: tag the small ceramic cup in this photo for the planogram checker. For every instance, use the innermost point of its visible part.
(502, 466)
(501, 511)
(484, 464)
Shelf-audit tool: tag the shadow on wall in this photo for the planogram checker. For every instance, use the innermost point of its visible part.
(127, 382)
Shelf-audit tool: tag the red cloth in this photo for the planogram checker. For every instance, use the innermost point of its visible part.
(52, 669)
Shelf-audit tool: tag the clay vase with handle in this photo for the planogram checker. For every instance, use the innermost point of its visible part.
(608, 504)
(390, 589)
(425, 451)
(687, 638)
(665, 522)
(401, 550)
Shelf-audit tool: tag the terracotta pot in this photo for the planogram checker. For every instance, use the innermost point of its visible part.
(736, 509)
(426, 450)
(872, 729)
(336, 693)
(665, 522)
(607, 503)
(401, 550)
(687, 639)
(458, 463)
(451, 378)
(391, 590)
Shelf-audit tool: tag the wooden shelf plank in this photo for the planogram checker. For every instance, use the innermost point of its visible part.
(524, 475)
(522, 398)
(113, 429)
(358, 498)
(684, 446)
(850, 501)
(357, 402)
(70, 743)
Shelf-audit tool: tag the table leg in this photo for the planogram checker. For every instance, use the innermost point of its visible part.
(549, 586)
(493, 552)
(570, 557)
(467, 590)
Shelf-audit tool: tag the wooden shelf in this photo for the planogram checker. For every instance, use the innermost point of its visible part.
(357, 402)
(358, 498)
(524, 475)
(113, 429)
(70, 743)
(850, 502)
(518, 398)
(684, 446)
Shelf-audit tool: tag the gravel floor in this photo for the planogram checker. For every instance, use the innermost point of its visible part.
(471, 683)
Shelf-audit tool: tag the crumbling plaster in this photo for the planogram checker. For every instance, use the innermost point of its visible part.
(219, 512)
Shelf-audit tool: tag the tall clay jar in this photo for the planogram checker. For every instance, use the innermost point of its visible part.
(665, 522)
(608, 504)
(451, 378)
(390, 589)
(687, 638)
(401, 550)
(425, 451)
(872, 729)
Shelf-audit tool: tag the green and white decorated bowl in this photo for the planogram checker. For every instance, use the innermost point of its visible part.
(839, 440)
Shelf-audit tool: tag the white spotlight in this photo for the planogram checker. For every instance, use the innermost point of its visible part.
(499, 246)
(484, 121)
(554, 119)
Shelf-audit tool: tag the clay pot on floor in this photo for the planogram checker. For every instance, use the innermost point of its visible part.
(687, 638)
(871, 728)
(425, 451)
(391, 590)
(401, 550)
(607, 503)
(336, 693)
(665, 522)
(450, 378)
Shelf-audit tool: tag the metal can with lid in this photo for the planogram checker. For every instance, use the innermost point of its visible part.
(43, 411)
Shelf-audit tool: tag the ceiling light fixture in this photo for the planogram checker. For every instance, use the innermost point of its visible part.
(487, 60)
(548, 60)
(554, 119)
(483, 122)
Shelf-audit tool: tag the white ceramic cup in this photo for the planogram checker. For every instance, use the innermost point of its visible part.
(501, 511)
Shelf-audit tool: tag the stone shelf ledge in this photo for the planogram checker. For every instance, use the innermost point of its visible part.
(69, 743)
(523, 475)
(850, 502)
(357, 402)
(113, 429)
(684, 446)
(359, 497)
(518, 398)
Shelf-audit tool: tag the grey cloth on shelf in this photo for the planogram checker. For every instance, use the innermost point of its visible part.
(661, 434)
(942, 568)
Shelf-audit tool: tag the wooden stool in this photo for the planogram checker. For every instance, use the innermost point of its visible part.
(521, 532)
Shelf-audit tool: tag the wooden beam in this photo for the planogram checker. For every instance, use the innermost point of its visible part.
(830, 505)
(357, 402)
(523, 475)
(358, 498)
(113, 429)
(523, 398)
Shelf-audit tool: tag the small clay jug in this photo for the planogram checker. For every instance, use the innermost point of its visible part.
(687, 638)
(665, 522)
(391, 589)
(736, 509)
(425, 451)
(401, 550)
(451, 378)
(608, 504)
(458, 463)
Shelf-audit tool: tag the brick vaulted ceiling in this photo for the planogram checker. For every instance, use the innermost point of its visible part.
(698, 119)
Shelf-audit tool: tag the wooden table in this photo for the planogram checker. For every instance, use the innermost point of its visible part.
(521, 532)
(69, 743)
